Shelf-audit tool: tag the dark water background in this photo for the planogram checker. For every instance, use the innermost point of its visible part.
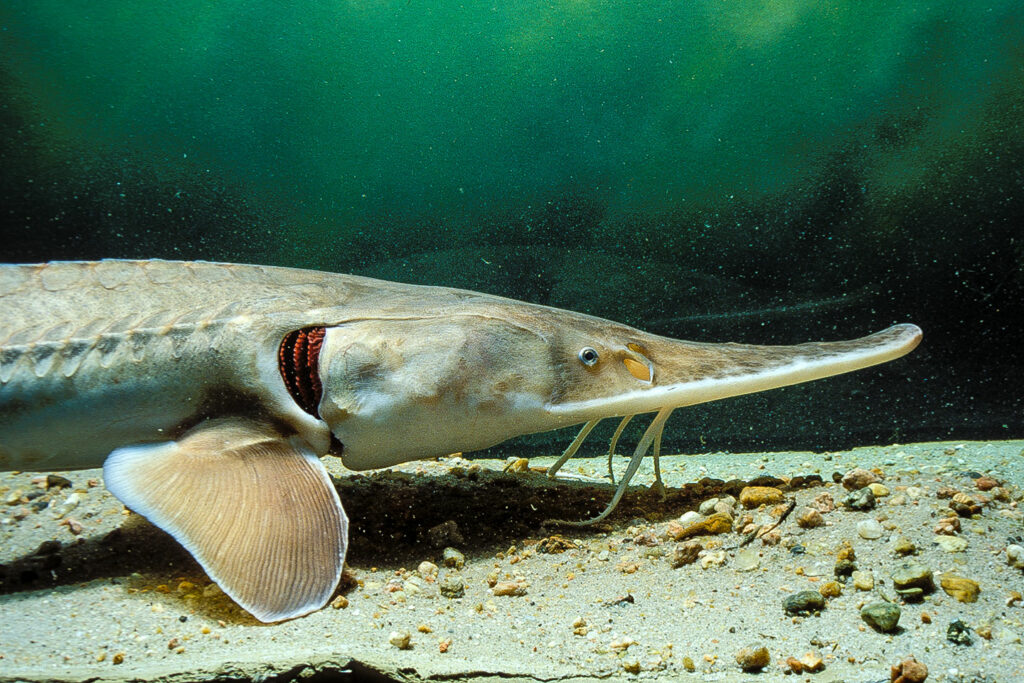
(759, 171)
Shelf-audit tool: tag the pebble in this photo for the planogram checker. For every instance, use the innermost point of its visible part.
(858, 478)
(909, 671)
(863, 580)
(1015, 556)
(56, 480)
(913, 580)
(712, 559)
(812, 662)
(882, 616)
(753, 658)
(803, 602)
(823, 501)
(951, 544)
(904, 546)
(400, 639)
(707, 507)
(985, 483)
(717, 523)
(689, 517)
(879, 490)
(947, 526)
(964, 505)
(427, 568)
(959, 587)
(685, 553)
(869, 529)
(452, 587)
(510, 588)
(445, 533)
(831, 589)
(746, 560)
(959, 633)
(756, 496)
(809, 518)
(861, 499)
(453, 558)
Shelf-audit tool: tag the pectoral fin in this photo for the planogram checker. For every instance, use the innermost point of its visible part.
(257, 510)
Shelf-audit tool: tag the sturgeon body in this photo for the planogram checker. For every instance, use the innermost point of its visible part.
(208, 392)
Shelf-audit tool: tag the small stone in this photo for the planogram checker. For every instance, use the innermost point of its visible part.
(510, 588)
(57, 481)
(444, 645)
(824, 502)
(861, 499)
(712, 559)
(340, 602)
(631, 666)
(964, 505)
(794, 665)
(858, 478)
(753, 658)
(453, 558)
(452, 587)
(844, 568)
(947, 526)
(427, 569)
(689, 517)
(445, 534)
(685, 553)
(909, 671)
(882, 616)
(400, 639)
(879, 490)
(118, 658)
(831, 589)
(1015, 556)
(715, 524)
(959, 633)
(904, 546)
(869, 529)
(688, 664)
(812, 662)
(863, 580)
(746, 560)
(756, 496)
(951, 544)
(912, 580)
(985, 483)
(961, 588)
(708, 507)
(809, 518)
(803, 602)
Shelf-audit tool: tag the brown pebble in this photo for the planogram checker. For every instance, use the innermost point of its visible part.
(340, 602)
(512, 588)
(926, 618)
(985, 483)
(909, 671)
(846, 552)
(824, 502)
(964, 505)
(812, 662)
(961, 588)
(947, 526)
(717, 523)
(753, 658)
(858, 478)
(756, 496)
(809, 518)
(794, 665)
(444, 645)
(685, 553)
(117, 658)
(831, 589)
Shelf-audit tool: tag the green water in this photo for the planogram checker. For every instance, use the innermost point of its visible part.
(755, 170)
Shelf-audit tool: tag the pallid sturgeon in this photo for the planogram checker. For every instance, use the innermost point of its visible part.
(208, 392)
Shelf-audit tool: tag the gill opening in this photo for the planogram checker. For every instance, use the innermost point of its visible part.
(298, 360)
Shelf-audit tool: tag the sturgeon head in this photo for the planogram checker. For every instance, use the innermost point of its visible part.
(423, 386)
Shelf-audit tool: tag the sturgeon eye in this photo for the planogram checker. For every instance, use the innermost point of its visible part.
(587, 356)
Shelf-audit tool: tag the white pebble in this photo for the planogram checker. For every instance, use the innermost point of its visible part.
(869, 529)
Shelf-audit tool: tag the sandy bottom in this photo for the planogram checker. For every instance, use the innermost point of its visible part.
(90, 591)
